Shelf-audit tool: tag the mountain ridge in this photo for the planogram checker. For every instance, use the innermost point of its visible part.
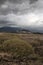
(13, 29)
(20, 30)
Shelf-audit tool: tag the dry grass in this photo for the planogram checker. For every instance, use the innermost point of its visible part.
(28, 47)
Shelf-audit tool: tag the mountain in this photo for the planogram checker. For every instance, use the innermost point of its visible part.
(21, 30)
(9, 29)
(13, 29)
(38, 30)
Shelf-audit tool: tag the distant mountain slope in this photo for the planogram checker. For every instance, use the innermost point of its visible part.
(35, 29)
(13, 29)
(21, 30)
(9, 29)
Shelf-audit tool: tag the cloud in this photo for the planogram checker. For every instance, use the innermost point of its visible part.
(20, 20)
(21, 12)
(21, 6)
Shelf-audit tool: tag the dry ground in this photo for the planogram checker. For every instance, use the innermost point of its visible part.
(21, 49)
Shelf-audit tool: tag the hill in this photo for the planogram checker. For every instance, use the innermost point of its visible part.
(13, 29)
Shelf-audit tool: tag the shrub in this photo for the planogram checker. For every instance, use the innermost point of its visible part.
(19, 48)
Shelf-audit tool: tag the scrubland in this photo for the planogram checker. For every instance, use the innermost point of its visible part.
(21, 49)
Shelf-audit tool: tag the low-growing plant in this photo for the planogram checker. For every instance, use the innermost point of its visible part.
(19, 48)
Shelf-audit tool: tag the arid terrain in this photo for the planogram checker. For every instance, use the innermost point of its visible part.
(21, 49)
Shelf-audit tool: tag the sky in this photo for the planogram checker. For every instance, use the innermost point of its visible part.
(21, 13)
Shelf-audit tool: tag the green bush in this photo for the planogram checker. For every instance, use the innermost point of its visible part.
(19, 48)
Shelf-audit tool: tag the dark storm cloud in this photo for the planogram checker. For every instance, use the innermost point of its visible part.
(13, 1)
(21, 1)
(18, 1)
(17, 6)
(2, 1)
(16, 12)
(33, 1)
(3, 22)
